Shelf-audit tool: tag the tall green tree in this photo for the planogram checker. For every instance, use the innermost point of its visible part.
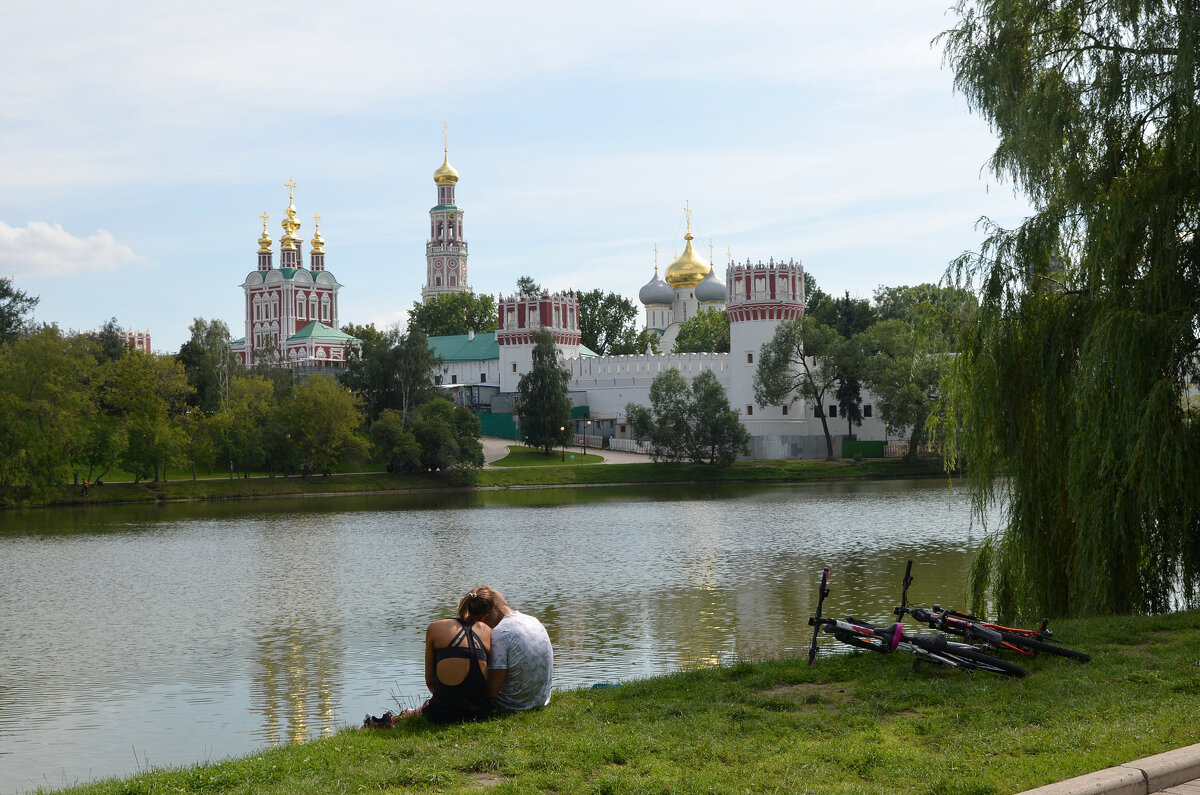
(904, 366)
(705, 332)
(392, 369)
(692, 423)
(545, 406)
(527, 287)
(802, 362)
(110, 341)
(15, 306)
(326, 421)
(395, 442)
(149, 392)
(1075, 379)
(607, 322)
(207, 358)
(454, 313)
(46, 407)
(448, 436)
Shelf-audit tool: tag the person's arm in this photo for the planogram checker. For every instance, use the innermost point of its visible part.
(430, 674)
(495, 681)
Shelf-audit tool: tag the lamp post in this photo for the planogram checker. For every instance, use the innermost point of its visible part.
(586, 431)
(563, 440)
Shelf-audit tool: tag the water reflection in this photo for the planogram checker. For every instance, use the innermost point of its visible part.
(190, 632)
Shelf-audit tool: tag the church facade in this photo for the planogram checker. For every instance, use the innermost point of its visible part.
(291, 311)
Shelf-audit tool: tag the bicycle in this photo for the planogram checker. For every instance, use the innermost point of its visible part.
(1028, 642)
(885, 640)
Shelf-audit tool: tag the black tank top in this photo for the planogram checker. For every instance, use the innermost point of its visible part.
(468, 699)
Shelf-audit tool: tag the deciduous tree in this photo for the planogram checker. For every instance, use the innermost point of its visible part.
(705, 332)
(15, 306)
(454, 313)
(689, 423)
(606, 322)
(1075, 379)
(545, 406)
(326, 419)
(802, 361)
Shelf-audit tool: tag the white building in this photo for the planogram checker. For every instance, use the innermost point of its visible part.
(758, 297)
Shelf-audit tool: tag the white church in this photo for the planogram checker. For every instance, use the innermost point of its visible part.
(487, 367)
(291, 313)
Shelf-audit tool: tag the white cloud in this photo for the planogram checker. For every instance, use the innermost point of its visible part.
(42, 249)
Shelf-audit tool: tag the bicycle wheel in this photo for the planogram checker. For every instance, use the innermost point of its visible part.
(1038, 645)
(979, 661)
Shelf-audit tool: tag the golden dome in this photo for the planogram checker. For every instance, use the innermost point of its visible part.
(689, 269)
(445, 175)
(264, 242)
(318, 242)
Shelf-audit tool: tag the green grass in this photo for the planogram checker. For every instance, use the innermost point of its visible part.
(549, 473)
(519, 456)
(858, 723)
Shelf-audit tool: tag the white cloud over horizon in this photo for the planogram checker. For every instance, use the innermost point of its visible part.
(45, 249)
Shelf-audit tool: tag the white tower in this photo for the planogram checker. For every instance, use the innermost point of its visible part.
(446, 251)
(760, 297)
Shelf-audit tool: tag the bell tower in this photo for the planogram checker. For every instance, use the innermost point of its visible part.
(446, 251)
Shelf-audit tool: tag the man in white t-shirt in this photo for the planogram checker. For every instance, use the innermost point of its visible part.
(521, 663)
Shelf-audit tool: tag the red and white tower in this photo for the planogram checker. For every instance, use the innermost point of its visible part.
(520, 316)
(446, 251)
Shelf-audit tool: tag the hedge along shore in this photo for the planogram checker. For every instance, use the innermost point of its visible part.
(564, 475)
(855, 723)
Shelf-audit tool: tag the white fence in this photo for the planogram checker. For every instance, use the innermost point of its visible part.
(629, 446)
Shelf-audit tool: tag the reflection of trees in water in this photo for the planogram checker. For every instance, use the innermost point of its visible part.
(298, 680)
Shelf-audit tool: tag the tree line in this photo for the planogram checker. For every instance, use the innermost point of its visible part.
(75, 407)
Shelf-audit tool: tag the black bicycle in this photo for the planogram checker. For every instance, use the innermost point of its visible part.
(1024, 641)
(885, 640)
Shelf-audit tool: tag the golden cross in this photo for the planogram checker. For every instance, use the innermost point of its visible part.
(656, 258)
(446, 136)
(729, 253)
(317, 219)
(688, 212)
(710, 249)
(265, 218)
(291, 186)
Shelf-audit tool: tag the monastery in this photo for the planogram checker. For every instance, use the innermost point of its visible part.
(291, 315)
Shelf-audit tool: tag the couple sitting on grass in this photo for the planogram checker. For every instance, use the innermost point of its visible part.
(489, 657)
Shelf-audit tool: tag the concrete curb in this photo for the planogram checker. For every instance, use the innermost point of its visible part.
(1140, 777)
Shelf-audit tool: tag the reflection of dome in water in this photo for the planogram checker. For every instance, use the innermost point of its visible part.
(689, 269)
(656, 292)
(711, 289)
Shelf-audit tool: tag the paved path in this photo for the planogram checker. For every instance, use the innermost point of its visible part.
(1173, 773)
(494, 449)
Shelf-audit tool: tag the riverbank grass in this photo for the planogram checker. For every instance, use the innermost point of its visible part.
(549, 473)
(856, 723)
(520, 456)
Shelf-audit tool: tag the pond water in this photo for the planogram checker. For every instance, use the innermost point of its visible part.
(167, 635)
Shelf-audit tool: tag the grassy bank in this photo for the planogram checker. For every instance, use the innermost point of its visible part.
(859, 723)
(555, 474)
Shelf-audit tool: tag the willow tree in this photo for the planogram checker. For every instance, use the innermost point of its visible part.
(1078, 380)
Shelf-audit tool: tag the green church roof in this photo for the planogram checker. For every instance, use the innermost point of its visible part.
(319, 331)
(458, 348)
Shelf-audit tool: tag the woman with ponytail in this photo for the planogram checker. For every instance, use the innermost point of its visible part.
(456, 654)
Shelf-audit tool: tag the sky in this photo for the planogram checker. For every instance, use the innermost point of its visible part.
(141, 141)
